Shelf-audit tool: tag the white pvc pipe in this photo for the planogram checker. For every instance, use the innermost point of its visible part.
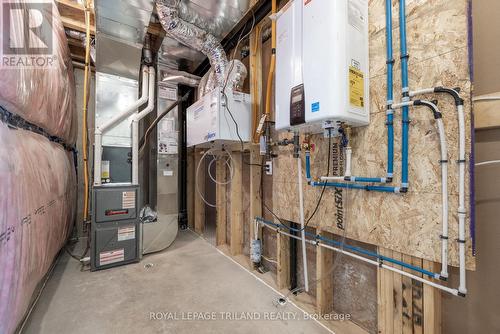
(486, 98)
(485, 163)
(302, 226)
(332, 178)
(422, 91)
(373, 262)
(135, 126)
(444, 197)
(461, 198)
(461, 188)
(348, 157)
(401, 104)
(347, 168)
(119, 117)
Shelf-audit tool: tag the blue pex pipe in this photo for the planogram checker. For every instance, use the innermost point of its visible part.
(404, 81)
(390, 88)
(353, 248)
(384, 189)
(308, 166)
(367, 179)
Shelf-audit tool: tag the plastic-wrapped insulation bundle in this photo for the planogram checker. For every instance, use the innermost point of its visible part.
(37, 176)
(37, 207)
(42, 96)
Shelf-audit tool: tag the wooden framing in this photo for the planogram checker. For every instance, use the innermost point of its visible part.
(237, 205)
(406, 305)
(324, 287)
(283, 257)
(486, 115)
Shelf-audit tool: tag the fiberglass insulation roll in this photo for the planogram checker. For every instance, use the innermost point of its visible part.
(37, 203)
(44, 96)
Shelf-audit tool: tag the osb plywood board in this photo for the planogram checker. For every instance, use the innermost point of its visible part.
(409, 223)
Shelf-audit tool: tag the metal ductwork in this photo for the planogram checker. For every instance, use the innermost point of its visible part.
(121, 27)
(179, 77)
(193, 36)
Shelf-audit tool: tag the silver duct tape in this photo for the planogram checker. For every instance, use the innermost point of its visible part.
(203, 84)
(194, 37)
(236, 75)
(234, 78)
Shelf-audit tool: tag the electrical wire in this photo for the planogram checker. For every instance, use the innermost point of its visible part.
(226, 105)
(324, 186)
(231, 171)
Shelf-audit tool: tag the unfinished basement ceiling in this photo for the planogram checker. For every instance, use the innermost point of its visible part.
(217, 17)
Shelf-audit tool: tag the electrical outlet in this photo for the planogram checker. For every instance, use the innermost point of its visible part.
(269, 167)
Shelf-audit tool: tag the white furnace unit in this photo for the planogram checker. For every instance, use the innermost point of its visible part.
(322, 64)
(210, 119)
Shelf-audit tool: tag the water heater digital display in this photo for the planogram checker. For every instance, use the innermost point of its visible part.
(297, 105)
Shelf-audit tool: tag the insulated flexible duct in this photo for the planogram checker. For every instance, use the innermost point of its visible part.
(194, 37)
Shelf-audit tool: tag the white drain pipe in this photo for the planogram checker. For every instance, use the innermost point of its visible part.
(461, 198)
(462, 289)
(135, 126)
(101, 130)
(302, 225)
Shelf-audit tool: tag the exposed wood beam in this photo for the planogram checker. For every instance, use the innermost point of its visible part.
(72, 5)
(75, 24)
(73, 16)
(237, 206)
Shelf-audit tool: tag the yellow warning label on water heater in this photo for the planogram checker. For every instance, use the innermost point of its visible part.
(356, 87)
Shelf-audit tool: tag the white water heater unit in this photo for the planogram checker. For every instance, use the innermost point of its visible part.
(322, 64)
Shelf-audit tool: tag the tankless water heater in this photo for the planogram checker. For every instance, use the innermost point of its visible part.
(322, 64)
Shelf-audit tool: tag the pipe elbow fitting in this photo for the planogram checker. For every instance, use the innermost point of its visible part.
(403, 190)
(453, 92)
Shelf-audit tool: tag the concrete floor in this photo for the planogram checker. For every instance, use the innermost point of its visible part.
(191, 276)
